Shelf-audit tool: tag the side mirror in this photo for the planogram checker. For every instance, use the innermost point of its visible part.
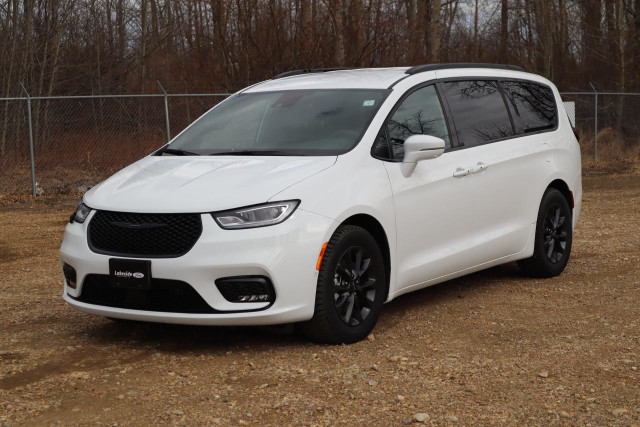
(420, 147)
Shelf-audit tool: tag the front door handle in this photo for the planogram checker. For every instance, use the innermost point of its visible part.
(460, 172)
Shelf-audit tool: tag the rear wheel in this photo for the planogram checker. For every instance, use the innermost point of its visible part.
(554, 236)
(350, 290)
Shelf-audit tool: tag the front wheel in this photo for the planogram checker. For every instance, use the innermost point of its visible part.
(350, 291)
(554, 236)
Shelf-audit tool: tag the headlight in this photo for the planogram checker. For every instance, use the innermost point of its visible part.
(81, 213)
(256, 216)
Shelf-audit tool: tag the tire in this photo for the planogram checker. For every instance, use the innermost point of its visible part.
(338, 289)
(554, 237)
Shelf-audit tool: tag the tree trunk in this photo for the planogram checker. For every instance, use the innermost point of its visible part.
(412, 33)
(435, 31)
(7, 88)
(154, 22)
(357, 36)
(636, 40)
(621, 63)
(143, 44)
(452, 17)
(545, 36)
(593, 39)
(121, 35)
(43, 65)
(476, 44)
(504, 31)
(306, 32)
(421, 10)
(339, 57)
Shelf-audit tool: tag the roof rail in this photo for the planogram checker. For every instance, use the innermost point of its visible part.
(433, 67)
(308, 71)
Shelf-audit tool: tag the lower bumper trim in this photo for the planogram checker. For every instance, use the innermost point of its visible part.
(165, 295)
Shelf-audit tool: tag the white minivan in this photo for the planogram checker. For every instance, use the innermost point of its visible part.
(318, 195)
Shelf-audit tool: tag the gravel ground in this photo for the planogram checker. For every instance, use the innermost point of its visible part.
(490, 348)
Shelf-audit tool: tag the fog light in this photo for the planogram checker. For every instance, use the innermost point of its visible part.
(246, 289)
(69, 275)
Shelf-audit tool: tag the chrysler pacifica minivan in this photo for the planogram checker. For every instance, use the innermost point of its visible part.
(316, 196)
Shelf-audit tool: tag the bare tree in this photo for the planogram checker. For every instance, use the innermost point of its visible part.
(504, 31)
(436, 10)
(108, 46)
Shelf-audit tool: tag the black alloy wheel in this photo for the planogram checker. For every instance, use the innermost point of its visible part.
(555, 233)
(354, 289)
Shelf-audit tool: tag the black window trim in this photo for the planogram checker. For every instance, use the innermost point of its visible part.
(506, 104)
(453, 134)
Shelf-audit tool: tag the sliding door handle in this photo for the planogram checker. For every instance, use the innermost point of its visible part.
(479, 167)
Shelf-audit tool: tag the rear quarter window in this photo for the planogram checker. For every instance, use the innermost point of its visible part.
(532, 106)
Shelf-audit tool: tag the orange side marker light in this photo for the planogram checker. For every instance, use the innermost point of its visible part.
(319, 263)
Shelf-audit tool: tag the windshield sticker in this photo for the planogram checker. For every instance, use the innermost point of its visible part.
(369, 103)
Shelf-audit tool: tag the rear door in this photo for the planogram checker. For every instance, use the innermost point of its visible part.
(503, 178)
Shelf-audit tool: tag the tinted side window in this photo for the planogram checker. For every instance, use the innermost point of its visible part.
(419, 114)
(381, 146)
(532, 105)
(479, 112)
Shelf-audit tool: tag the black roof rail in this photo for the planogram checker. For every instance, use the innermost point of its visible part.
(433, 67)
(308, 71)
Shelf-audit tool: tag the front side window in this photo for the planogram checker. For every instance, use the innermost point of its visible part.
(419, 114)
(532, 105)
(293, 122)
(479, 112)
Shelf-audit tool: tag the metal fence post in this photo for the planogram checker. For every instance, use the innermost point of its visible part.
(33, 162)
(166, 110)
(595, 124)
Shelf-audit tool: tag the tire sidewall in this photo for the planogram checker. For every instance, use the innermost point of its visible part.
(355, 237)
(550, 198)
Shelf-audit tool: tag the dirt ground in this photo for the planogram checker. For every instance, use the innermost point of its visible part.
(491, 348)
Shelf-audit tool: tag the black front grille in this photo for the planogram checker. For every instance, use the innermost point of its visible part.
(143, 235)
(169, 296)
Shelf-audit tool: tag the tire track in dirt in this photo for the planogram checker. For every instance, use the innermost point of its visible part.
(90, 359)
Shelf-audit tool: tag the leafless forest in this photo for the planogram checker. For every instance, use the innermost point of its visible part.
(98, 47)
(124, 46)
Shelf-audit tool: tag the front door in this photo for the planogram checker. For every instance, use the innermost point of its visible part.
(432, 206)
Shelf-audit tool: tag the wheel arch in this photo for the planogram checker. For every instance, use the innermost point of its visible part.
(562, 187)
(373, 226)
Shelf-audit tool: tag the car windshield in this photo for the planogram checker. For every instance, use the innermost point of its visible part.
(285, 123)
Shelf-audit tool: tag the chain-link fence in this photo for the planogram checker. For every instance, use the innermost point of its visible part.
(77, 141)
(608, 124)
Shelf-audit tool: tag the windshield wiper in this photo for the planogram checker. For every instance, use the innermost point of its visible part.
(251, 153)
(176, 152)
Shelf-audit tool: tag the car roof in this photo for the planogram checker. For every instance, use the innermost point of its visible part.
(361, 78)
(377, 78)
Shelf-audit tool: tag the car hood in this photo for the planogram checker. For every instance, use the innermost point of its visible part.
(172, 184)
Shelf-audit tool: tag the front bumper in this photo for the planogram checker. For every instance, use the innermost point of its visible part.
(286, 253)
